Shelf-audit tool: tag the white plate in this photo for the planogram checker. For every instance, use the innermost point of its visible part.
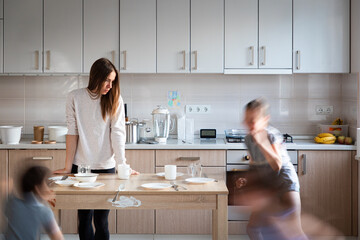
(66, 183)
(162, 174)
(156, 186)
(199, 180)
(88, 184)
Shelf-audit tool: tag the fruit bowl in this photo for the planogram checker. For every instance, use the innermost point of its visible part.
(86, 177)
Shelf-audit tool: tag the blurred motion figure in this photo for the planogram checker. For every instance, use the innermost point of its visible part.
(271, 187)
(29, 215)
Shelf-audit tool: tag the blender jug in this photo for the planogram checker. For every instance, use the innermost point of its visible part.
(161, 121)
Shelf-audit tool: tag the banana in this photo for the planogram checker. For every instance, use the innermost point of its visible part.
(337, 121)
(326, 139)
(321, 135)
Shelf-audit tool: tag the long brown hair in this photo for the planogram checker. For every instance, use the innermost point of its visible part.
(99, 72)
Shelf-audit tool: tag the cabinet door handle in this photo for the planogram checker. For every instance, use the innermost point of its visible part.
(42, 158)
(124, 67)
(196, 54)
(184, 58)
(304, 164)
(189, 158)
(298, 60)
(48, 60)
(264, 55)
(251, 48)
(37, 60)
(113, 56)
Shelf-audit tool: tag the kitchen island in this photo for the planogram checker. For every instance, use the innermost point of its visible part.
(210, 196)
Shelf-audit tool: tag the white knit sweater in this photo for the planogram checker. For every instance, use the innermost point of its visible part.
(101, 143)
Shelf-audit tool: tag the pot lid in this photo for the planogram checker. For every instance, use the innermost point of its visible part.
(160, 110)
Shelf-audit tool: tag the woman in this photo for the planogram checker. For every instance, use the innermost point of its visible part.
(96, 136)
(28, 216)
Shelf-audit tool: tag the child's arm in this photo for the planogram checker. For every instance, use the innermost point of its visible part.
(271, 151)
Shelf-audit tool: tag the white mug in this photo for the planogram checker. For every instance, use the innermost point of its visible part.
(170, 172)
(124, 171)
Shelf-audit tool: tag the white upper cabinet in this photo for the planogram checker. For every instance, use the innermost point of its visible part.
(207, 36)
(1, 45)
(275, 34)
(241, 33)
(176, 51)
(138, 36)
(63, 36)
(101, 32)
(1, 8)
(321, 36)
(173, 36)
(23, 36)
(258, 36)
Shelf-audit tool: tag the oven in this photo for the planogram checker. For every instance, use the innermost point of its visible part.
(237, 164)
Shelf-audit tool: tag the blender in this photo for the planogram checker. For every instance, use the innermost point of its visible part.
(161, 121)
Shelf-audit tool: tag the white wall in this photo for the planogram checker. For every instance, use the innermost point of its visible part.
(39, 100)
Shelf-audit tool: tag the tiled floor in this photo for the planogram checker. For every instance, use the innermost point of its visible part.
(176, 237)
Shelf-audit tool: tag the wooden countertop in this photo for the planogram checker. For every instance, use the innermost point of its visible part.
(133, 186)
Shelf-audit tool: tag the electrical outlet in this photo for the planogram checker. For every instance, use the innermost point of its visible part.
(198, 109)
(324, 110)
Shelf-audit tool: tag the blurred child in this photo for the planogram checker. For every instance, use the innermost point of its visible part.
(272, 186)
(28, 216)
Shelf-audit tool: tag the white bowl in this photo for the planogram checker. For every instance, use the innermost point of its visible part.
(66, 183)
(86, 177)
(57, 133)
(10, 134)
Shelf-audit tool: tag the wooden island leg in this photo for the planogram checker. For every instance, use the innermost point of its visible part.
(220, 219)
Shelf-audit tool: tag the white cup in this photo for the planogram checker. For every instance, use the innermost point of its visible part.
(170, 172)
(124, 171)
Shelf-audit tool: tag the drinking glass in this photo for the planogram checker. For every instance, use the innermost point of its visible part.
(84, 168)
(195, 169)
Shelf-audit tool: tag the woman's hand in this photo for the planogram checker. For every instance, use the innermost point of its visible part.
(61, 171)
(241, 182)
(133, 172)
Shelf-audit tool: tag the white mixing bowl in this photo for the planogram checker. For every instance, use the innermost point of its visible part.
(57, 133)
(86, 177)
(10, 134)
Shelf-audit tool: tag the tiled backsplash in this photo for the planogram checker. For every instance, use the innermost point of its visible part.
(40, 100)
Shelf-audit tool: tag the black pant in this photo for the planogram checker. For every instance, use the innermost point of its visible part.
(85, 217)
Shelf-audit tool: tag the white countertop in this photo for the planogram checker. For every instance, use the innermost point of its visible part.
(217, 143)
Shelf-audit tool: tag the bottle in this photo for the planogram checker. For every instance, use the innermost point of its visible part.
(126, 116)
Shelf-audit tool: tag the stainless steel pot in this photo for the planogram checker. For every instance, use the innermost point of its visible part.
(132, 133)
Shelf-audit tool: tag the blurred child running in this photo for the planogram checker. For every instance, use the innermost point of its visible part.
(29, 215)
(271, 187)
